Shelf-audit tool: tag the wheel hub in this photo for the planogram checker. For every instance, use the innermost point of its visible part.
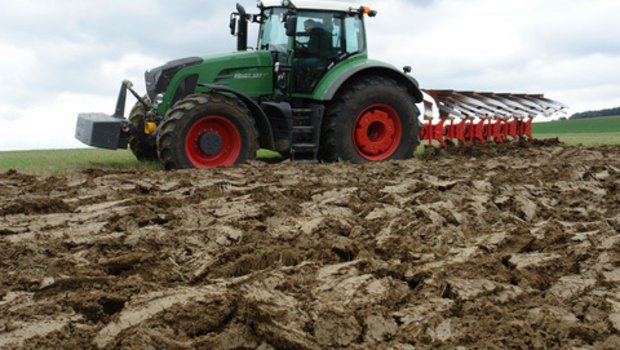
(377, 132)
(210, 143)
(213, 141)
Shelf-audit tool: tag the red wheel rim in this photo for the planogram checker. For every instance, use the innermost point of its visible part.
(219, 128)
(377, 132)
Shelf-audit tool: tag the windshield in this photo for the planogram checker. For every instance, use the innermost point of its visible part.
(272, 34)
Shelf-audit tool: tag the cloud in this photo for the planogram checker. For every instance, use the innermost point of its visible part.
(51, 125)
(532, 46)
(65, 57)
(16, 65)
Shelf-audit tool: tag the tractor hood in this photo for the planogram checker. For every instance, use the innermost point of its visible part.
(217, 69)
(238, 60)
(247, 71)
(157, 79)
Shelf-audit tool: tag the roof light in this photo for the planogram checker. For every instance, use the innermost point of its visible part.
(367, 11)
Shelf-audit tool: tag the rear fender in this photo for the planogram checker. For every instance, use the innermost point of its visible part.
(332, 83)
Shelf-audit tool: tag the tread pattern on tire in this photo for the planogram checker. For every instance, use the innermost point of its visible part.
(170, 140)
(141, 151)
(336, 118)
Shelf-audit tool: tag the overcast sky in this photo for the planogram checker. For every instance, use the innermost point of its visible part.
(62, 57)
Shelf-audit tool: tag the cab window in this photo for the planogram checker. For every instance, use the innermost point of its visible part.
(354, 34)
(272, 34)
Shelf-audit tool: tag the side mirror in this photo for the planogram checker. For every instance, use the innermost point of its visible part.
(233, 25)
(291, 25)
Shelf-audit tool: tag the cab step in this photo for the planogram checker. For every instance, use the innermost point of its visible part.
(306, 133)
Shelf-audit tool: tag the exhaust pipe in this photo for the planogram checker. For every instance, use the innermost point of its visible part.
(242, 35)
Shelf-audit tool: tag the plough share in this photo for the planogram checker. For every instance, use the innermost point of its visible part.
(468, 117)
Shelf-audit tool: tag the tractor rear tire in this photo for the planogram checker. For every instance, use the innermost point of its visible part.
(143, 152)
(372, 119)
(207, 131)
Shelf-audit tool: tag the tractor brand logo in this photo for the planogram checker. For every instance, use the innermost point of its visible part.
(250, 75)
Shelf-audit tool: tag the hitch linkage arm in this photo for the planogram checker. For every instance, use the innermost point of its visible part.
(119, 113)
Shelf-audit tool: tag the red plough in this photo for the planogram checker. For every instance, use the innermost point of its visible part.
(468, 117)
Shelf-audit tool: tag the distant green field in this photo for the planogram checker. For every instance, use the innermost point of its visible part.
(585, 131)
(580, 126)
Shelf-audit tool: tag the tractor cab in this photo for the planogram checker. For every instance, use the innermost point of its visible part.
(307, 38)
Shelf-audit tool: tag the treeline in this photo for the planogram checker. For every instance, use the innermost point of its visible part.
(595, 114)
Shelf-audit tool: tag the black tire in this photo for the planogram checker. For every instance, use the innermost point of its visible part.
(143, 151)
(225, 119)
(363, 97)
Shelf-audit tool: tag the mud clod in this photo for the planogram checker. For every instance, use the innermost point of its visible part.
(485, 247)
(35, 206)
(334, 330)
(125, 263)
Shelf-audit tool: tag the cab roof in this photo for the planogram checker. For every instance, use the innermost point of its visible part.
(325, 5)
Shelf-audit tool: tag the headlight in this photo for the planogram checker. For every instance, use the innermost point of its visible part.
(159, 98)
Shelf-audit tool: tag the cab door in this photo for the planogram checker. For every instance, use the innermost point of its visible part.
(318, 43)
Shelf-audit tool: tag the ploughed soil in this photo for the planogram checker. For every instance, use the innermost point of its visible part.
(491, 247)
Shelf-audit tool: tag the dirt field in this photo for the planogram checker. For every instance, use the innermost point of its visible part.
(515, 247)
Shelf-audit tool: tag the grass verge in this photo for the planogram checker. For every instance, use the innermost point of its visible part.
(584, 139)
(52, 162)
(600, 131)
(579, 126)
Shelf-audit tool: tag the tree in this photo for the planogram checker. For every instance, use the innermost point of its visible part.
(594, 114)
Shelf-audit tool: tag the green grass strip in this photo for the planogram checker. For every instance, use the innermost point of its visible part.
(584, 139)
(580, 126)
(51, 162)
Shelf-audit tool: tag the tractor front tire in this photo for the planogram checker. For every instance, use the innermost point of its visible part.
(372, 119)
(142, 151)
(207, 131)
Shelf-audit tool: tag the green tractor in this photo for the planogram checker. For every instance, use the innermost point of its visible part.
(308, 91)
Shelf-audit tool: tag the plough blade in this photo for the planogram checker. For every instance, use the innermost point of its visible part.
(500, 116)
